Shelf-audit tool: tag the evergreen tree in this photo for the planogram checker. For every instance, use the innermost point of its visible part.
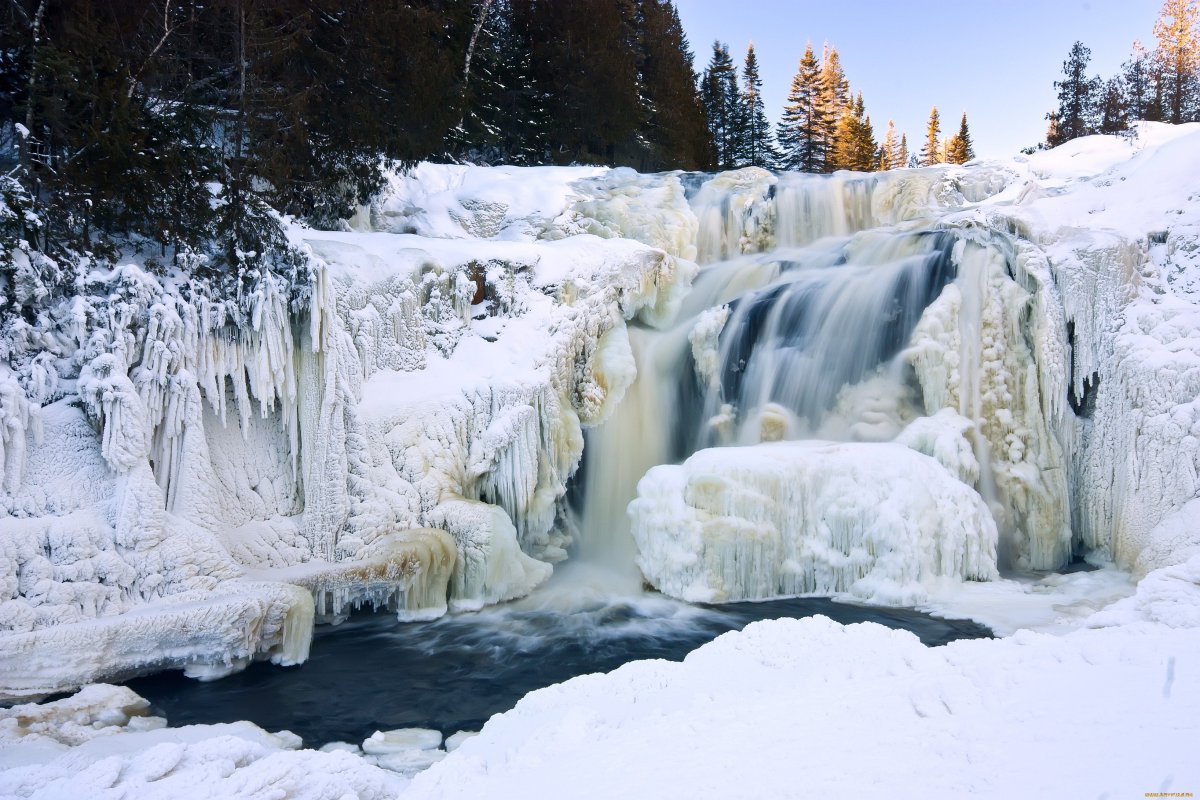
(505, 119)
(930, 154)
(1143, 82)
(889, 150)
(722, 103)
(585, 61)
(757, 149)
(1077, 93)
(1053, 131)
(854, 148)
(903, 159)
(1177, 30)
(676, 131)
(835, 99)
(1114, 116)
(802, 133)
(960, 149)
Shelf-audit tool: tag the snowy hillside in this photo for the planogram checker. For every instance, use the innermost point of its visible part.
(893, 387)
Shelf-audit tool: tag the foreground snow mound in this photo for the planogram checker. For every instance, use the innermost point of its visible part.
(196, 761)
(790, 518)
(885, 717)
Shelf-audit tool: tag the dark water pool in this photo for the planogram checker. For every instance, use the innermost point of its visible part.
(373, 672)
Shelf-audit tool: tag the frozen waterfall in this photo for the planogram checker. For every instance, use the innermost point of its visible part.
(839, 309)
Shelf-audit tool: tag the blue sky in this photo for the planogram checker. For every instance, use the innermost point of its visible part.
(995, 59)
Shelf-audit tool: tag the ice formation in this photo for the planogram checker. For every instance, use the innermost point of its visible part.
(191, 483)
(790, 518)
(99, 743)
(194, 482)
(999, 318)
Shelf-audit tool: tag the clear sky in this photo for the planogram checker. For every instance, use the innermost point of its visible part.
(995, 59)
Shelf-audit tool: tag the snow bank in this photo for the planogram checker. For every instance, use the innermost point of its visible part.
(197, 761)
(1092, 713)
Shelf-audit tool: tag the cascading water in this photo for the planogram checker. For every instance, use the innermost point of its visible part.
(829, 320)
(788, 327)
(801, 326)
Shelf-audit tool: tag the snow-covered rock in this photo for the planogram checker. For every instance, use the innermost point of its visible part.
(790, 518)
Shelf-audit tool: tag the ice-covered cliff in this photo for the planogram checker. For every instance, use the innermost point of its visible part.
(188, 482)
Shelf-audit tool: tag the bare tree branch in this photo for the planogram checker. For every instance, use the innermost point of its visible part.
(167, 31)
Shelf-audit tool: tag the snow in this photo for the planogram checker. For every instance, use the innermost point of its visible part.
(876, 521)
(191, 483)
(196, 481)
(197, 761)
(812, 708)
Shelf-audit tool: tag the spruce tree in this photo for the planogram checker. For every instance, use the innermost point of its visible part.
(888, 151)
(802, 133)
(757, 149)
(930, 154)
(835, 100)
(854, 148)
(676, 133)
(722, 103)
(961, 149)
(504, 120)
(1177, 30)
(1114, 115)
(1142, 80)
(584, 61)
(903, 159)
(1077, 92)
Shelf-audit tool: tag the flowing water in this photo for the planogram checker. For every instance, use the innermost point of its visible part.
(374, 673)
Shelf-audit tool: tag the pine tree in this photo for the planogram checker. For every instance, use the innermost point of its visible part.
(1142, 81)
(676, 132)
(960, 148)
(802, 131)
(903, 159)
(854, 148)
(723, 105)
(1077, 92)
(1114, 115)
(835, 100)
(930, 154)
(757, 149)
(888, 158)
(1177, 30)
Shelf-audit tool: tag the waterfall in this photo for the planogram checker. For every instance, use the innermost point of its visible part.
(791, 330)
